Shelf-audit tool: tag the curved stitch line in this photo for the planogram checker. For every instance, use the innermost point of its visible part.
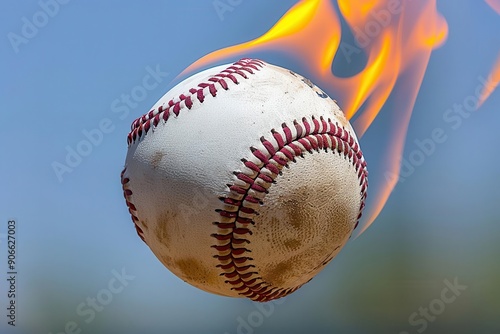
(258, 291)
(127, 193)
(142, 125)
(246, 194)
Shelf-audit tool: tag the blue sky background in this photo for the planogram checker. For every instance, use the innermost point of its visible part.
(440, 224)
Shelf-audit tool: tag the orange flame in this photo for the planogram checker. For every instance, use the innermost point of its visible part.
(495, 4)
(493, 81)
(397, 38)
(494, 77)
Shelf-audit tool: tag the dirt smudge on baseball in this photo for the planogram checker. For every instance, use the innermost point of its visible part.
(279, 274)
(163, 227)
(300, 214)
(143, 225)
(194, 270)
(156, 159)
(305, 223)
(310, 214)
(296, 211)
(166, 260)
(292, 244)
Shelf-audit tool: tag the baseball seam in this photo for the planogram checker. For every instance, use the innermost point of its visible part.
(127, 193)
(142, 125)
(250, 185)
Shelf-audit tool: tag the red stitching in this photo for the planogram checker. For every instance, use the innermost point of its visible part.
(241, 204)
(127, 193)
(176, 105)
(240, 207)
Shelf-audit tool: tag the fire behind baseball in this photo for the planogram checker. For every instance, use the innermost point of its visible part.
(245, 180)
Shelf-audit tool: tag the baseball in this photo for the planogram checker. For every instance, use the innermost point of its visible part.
(245, 180)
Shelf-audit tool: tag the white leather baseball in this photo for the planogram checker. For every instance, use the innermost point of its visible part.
(245, 180)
